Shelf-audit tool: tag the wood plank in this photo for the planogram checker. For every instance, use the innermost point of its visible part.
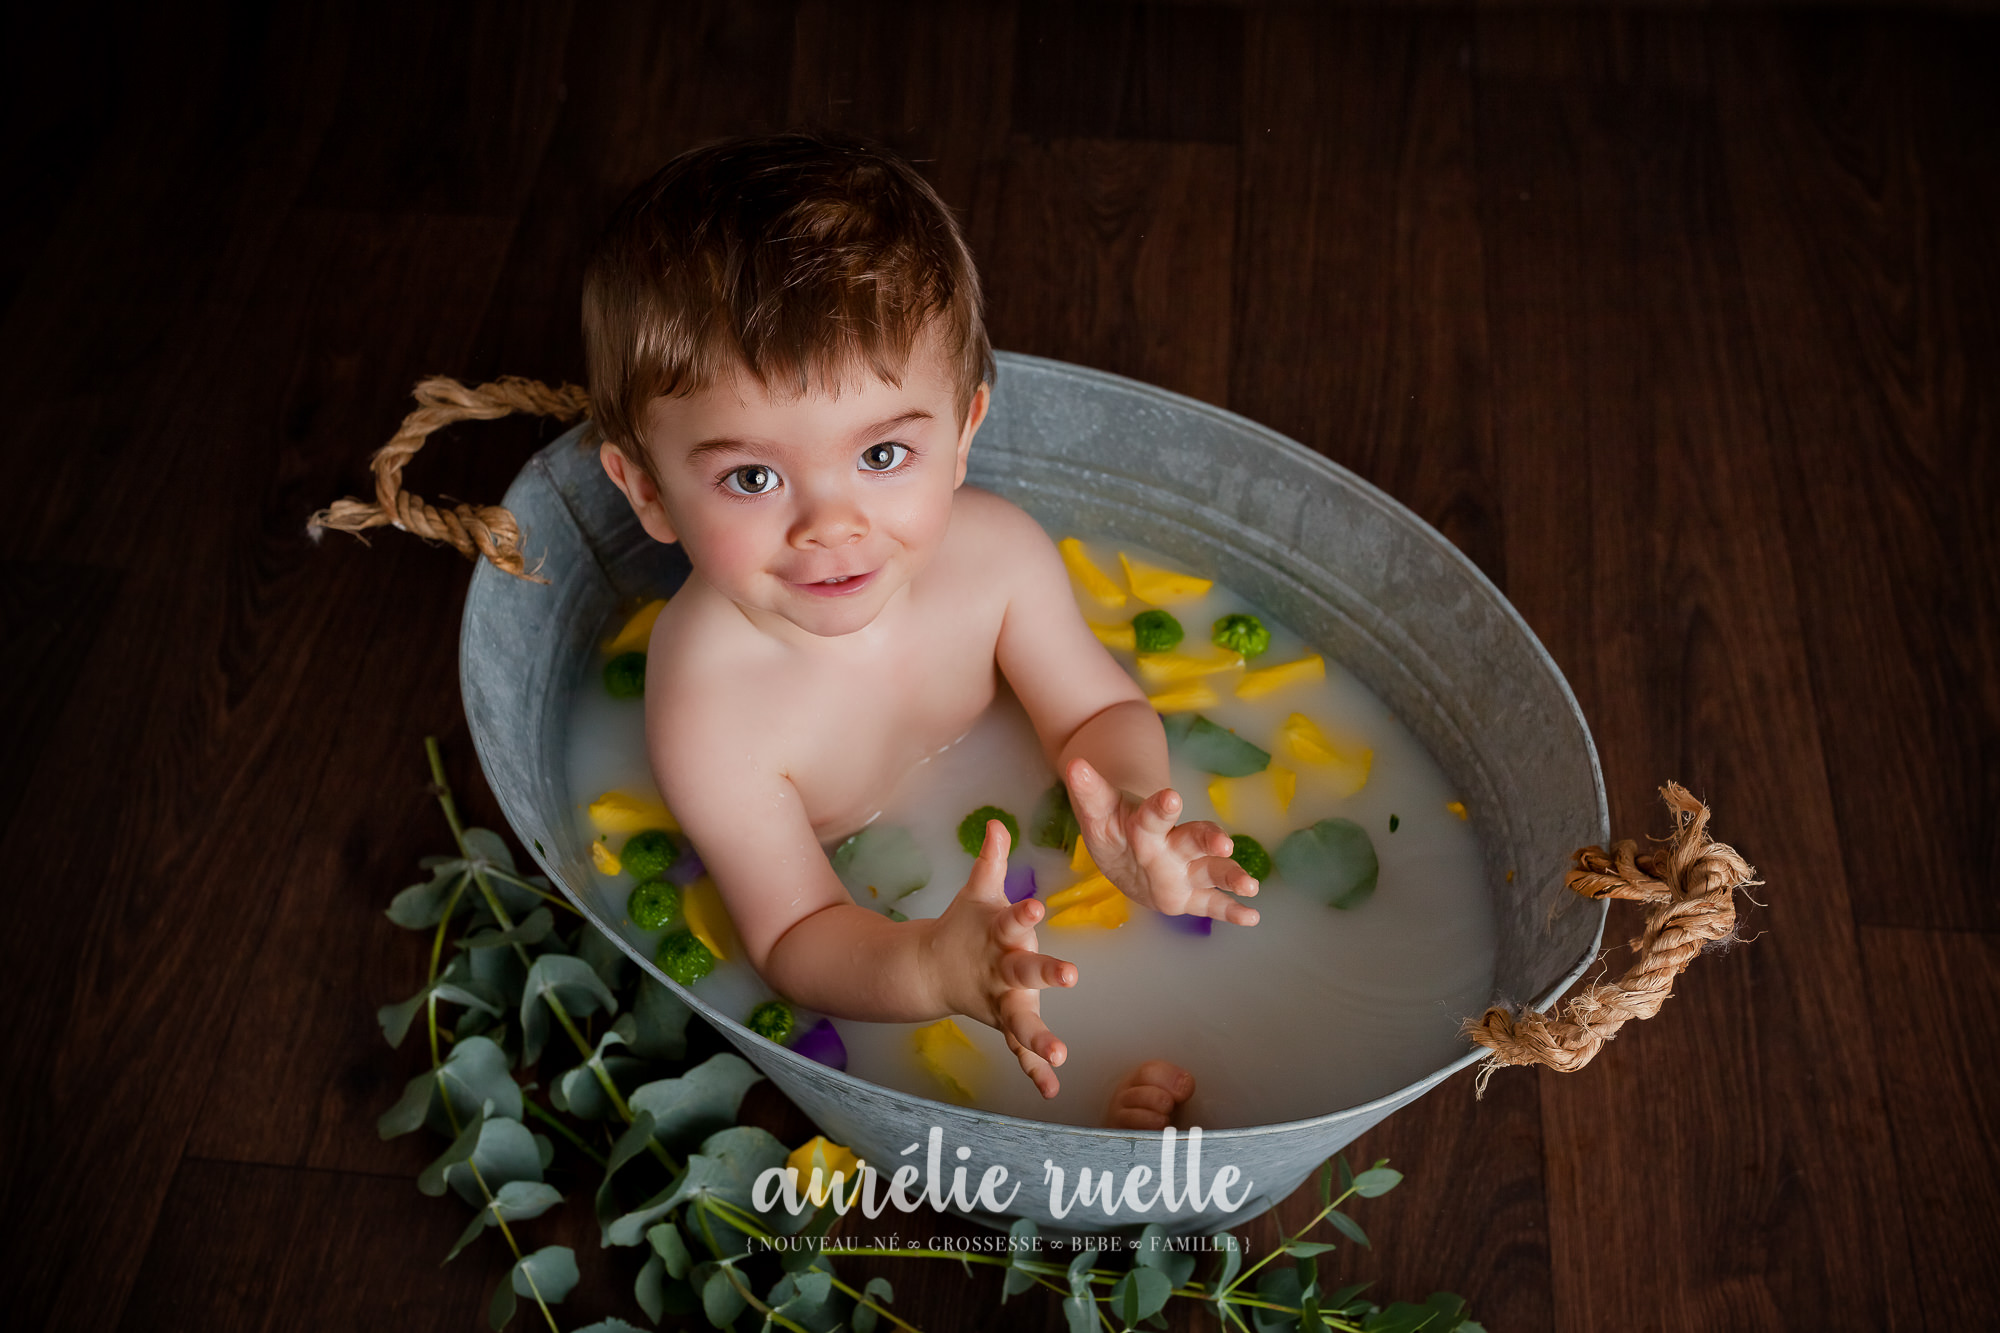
(1129, 71)
(49, 617)
(241, 1249)
(1937, 1046)
(1867, 210)
(1360, 321)
(1620, 264)
(641, 83)
(237, 767)
(1117, 255)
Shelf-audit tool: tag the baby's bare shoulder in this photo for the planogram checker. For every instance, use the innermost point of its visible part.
(705, 668)
(996, 537)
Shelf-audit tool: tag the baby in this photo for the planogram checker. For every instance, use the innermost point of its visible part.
(788, 362)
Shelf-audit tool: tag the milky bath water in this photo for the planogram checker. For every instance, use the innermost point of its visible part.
(1312, 1010)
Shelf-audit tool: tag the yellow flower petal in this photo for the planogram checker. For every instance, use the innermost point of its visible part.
(950, 1057)
(1167, 668)
(816, 1160)
(1079, 857)
(1117, 636)
(1162, 587)
(1257, 684)
(1088, 576)
(1456, 807)
(1220, 797)
(624, 812)
(1184, 698)
(1088, 890)
(1285, 784)
(701, 907)
(637, 631)
(603, 857)
(1348, 764)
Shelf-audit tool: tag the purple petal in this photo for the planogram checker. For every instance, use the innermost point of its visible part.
(1020, 882)
(1191, 925)
(687, 868)
(822, 1042)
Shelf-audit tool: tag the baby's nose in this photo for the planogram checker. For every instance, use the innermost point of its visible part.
(831, 520)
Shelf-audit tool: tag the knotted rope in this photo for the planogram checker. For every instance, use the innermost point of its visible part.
(475, 530)
(1692, 883)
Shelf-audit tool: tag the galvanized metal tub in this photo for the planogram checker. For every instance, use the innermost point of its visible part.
(1354, 572)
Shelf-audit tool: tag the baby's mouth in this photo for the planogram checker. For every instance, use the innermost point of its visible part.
(840, 585)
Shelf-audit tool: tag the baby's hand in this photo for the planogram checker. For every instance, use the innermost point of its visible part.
(988, 967)
(1180, 870)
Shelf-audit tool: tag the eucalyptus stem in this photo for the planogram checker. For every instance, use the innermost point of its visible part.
(862, 1299)
(750, 1299)
(445, 799)
(559, 1127)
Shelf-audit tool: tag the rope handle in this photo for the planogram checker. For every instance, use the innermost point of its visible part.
(1691, 882)
(475, 530)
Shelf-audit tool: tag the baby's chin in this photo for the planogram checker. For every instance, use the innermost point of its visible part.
(826, 617)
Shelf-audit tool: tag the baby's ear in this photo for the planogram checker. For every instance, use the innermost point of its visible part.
(975, 413)
(636, 485)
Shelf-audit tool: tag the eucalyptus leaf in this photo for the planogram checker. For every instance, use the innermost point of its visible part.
(1334, 861)
(396, 1018)
(475, 1073)
(593, 946)
(584, 1097)
(1054, 823)
(432, 1179)
(1347, 1227)
(522, 1200)
(699, 1102)
(1231, 1247)
(879, 1291)
(408, 1112)
(506, 1152)
(650, 1288)
(549, 1272)
(611, 1325)
(806, 1298)
(1195, 740)
(1140, 1294)
(726, 1167)
(500, 969)
(486, 847)
(422, 906)
(629, 1145)
(1342, 1300)
(660, 1020)
(1307, 1249)
(1377, 1182)
(1080, 1306)
(500, 1310)
(1402, 1317)
(720, 1300)
(881, 864)
(473, 995)
(570, 981)
(670, 1248)
(1279, 1286)
(529, 930)
(473, 1230)
(1023, 1233)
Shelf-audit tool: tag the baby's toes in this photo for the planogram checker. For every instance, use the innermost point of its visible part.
(1146, 1098)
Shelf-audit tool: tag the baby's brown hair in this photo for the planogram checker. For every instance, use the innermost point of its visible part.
(798, 256)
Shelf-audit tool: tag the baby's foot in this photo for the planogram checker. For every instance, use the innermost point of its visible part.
(1146, 1098)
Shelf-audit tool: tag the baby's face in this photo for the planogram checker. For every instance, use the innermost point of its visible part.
(812, 511)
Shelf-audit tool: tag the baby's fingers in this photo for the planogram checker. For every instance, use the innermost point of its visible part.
(1199, 837)
(1219, 905)
(988, 881)
(1021, 1019)
(1036, 1068)
(1023, 970)
(1015, 927)
(1222, 873)
(1155, 816)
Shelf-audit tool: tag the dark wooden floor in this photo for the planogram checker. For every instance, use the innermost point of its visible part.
(1682, 324)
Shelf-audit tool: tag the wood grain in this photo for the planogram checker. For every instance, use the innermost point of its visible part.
(1685, 325)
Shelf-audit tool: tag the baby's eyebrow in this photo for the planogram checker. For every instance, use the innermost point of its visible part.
(720, 445)
(885, 426)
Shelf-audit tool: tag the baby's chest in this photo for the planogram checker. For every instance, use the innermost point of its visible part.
(855, 737)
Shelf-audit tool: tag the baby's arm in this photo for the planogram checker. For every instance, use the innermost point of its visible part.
(1107, 743)
(809, 940)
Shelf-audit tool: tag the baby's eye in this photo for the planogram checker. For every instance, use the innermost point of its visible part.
(751, 479)
(883, 457)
